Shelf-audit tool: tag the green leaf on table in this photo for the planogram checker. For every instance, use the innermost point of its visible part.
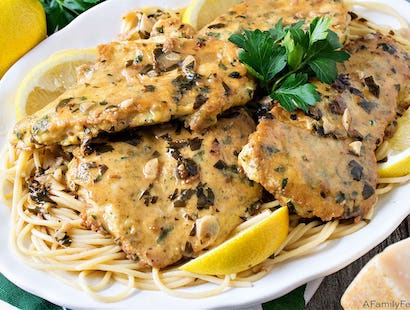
(21, 299)
(292, 301)
(60, 13)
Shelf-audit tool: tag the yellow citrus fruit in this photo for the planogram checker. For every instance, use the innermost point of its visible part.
(398, 158)
(49, 79)
(201, 12)
(246, 248)
(22, 26)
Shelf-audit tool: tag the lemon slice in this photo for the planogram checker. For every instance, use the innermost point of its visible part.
(245, 249)
(398, 158)
(49, 79)
(202, 12)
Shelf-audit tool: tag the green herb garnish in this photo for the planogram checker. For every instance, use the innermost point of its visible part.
(61, 12)
(284, 58)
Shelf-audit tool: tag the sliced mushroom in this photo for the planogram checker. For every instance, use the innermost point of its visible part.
(346, 119)
(166, 61)
(207, 229)
(189, 66)
(328, 127)
(86, 106)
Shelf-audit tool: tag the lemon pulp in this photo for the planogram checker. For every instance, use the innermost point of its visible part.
(49, 79)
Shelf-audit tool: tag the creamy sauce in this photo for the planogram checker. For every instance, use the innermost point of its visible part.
(166, 193)
(322, 163)
(136, 83)
(264, 14)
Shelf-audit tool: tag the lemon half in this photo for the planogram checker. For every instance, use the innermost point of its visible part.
(398, 158)
(245, 249)
(49, 79)
(202, 12)
(22, 26)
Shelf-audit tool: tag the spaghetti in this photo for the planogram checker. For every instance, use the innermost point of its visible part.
(40, 235)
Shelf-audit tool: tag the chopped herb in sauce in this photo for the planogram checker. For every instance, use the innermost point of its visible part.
(284, 183)
(146, 69)
(216, 26)
(213, 34)
(387, 48)
(183, 198)
(38, 192)
(368, 106)
(340, 197)
(65, 240)
(368, 191)
(149, 88)
(63, 103)
(227, 89)
(41, 126)
(205, 196)
(235, 75)
(270, 149)
(373, 87)
(356, 170)
(148, 198)
(164, 233)
(199, 101)
(98, 148)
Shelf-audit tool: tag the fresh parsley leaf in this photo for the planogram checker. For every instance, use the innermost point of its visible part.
(295, 92)
(284, 58)
(333, 40)
(59, 13)
(325, 69)
(292, 301)
(324, 57)
(295, 51)
(278, 33)
(318, 29)
(261, 56)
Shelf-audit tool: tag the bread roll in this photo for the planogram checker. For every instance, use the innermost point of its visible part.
(384, 282)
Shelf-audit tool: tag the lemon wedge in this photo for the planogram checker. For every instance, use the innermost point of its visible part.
(202, 12)
(49, 79)
(246, 249)
(398, 158)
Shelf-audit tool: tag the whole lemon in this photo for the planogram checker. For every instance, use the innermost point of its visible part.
(22, 26)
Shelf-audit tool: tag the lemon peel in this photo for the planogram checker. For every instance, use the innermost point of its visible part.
(246, 249)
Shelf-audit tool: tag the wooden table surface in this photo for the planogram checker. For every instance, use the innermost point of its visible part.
(332, 288)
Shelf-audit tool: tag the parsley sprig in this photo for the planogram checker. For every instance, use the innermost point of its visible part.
(284, 58)
(59, 13)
